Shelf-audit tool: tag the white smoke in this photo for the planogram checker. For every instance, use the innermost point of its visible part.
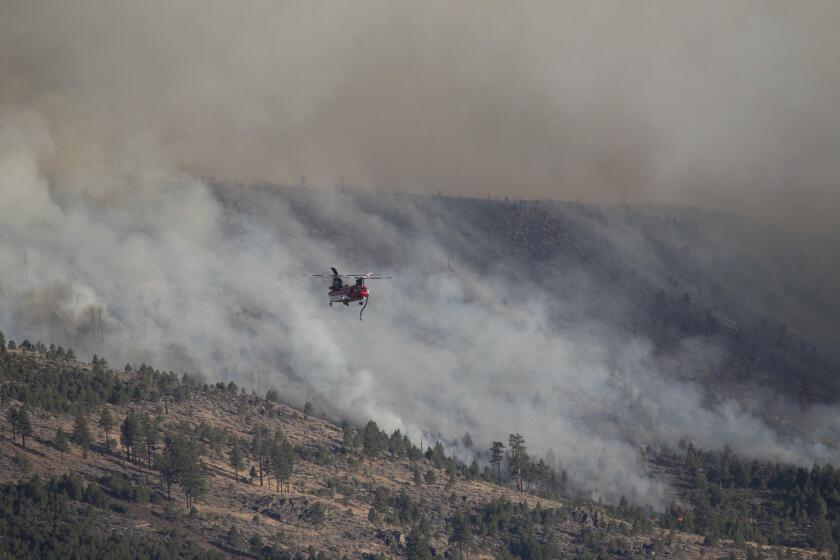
(140, 262)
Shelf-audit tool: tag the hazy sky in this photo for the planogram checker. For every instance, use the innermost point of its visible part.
(726, 104)
(110, 111)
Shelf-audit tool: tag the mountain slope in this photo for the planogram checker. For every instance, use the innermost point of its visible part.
(338, 501)
(764, 302)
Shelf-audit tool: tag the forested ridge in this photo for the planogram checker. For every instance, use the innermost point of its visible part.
(143, 463)
(729, 497)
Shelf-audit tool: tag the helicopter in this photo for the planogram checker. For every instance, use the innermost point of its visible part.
(347, 293)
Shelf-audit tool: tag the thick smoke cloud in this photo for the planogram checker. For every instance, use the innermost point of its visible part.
(728, 105)
(154, 268)
(110, 243)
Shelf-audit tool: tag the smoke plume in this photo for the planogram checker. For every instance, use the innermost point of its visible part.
(110, 242)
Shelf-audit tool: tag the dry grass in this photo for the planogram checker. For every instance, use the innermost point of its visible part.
(281, 517)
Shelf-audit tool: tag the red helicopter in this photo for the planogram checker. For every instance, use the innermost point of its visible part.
(341, 292)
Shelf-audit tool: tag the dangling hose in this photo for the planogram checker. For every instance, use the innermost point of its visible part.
(367, 299)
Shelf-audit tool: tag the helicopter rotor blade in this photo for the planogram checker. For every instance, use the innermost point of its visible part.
(348, 276)
(367, 276)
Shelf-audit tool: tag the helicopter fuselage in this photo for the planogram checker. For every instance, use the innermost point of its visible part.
(348, 294)
(342, 292)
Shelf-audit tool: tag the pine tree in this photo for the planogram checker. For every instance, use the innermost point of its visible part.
(234, 538)
(474, 470)
(282, 459)
(288, 463)
(181, 464)
(517, 458)
(237, 460)
(272, 464)
(738, 539)
(106, 422)
(150, 430)
(460, 532)
(129, 433)
(192, 476)
(411, 450)
(168, 465)
(12, 420)
(438, 455)
(540, 473)
(24, 425)
(61, 442)
(259, 448)
(348, 436)
(497, 453)
(417, 542)
(372, 441)
(396, 444)
(821, 535)
(81, 434)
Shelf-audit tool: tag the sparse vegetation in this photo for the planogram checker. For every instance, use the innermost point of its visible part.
(165, 449)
